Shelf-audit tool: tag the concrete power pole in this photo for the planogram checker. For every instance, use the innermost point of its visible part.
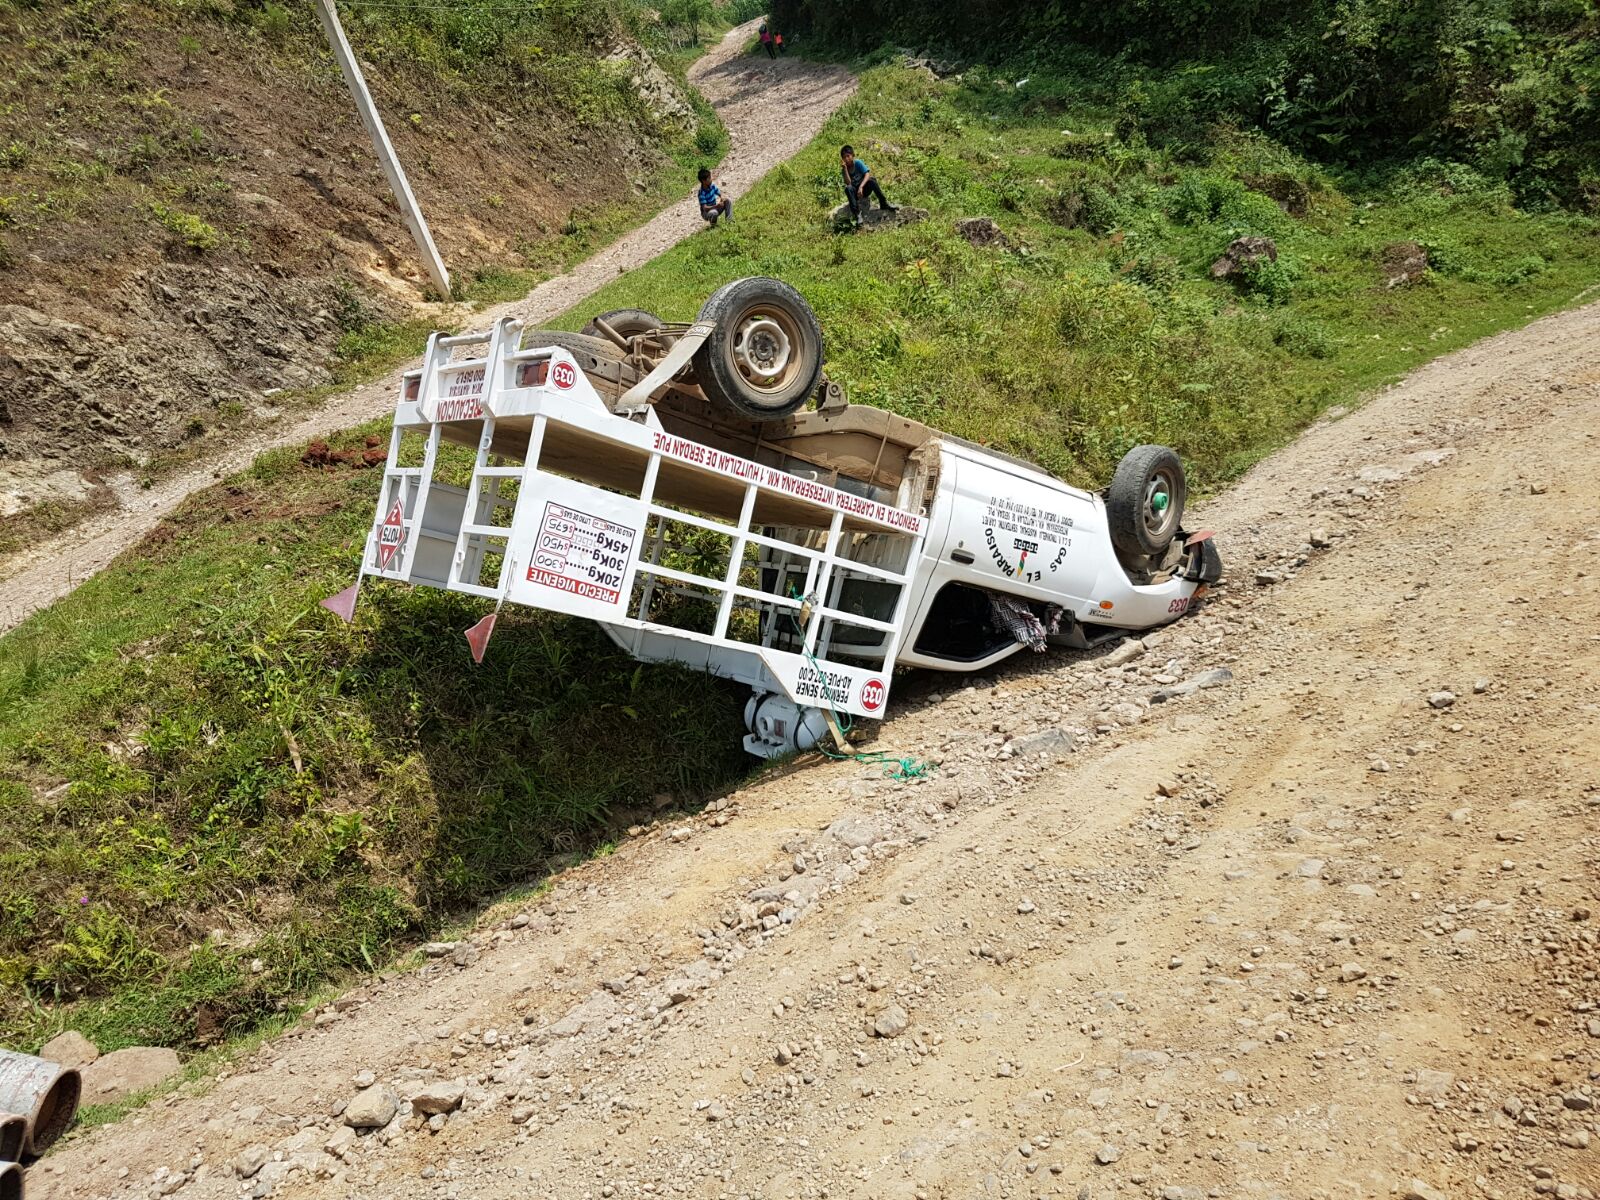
(380, 143)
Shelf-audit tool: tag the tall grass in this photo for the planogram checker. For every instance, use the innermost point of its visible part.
(200, 769)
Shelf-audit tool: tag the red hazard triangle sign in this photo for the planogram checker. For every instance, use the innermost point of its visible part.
(478, 637)
(391, 533)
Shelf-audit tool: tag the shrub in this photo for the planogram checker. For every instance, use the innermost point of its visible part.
(1101, 211)
(1196, 199)
(273, 21)
(1268, 280)
(1247, 212)
(187, 228)
(1158, 272)
(1303, 337)
(1064, 207)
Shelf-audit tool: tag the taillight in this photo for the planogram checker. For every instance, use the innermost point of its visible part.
(533, 374)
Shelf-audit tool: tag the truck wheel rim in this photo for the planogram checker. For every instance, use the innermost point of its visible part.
(763, 350)
(1159, 511)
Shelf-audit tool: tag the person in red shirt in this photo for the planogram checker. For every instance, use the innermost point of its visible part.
(766, 41)
(777, 39)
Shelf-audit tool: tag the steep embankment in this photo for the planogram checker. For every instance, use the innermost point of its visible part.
(193, 226)
(1323, 928)
(191, 787)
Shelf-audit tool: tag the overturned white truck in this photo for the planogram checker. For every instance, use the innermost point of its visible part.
(663, 481)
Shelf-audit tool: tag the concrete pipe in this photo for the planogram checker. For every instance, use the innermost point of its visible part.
(10, 1181)
(45, 1093)
(13, 1136)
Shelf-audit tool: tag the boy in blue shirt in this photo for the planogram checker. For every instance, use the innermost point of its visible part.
(860, 184)
(713, 203)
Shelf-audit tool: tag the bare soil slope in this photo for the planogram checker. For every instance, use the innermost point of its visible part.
(191, 215)
(1321, 927)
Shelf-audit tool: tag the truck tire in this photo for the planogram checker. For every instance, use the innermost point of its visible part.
(764, 357)
(626, 321)
(1144, 503)
(589, 350)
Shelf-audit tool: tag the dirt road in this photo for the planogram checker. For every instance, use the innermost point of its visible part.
(1320, 925)
(771, 110)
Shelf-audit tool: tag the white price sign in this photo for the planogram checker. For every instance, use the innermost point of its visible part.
(575, 548)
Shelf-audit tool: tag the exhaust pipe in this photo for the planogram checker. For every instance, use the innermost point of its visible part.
(13, 1135)
(10, 1181)
(44, 1093)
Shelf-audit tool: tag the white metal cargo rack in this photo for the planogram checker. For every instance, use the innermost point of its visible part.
(683, 552)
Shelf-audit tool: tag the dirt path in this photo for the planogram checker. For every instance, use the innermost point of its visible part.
(1314, 930)
(771, 110)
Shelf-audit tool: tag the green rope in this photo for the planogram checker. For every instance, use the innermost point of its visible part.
(900, 768)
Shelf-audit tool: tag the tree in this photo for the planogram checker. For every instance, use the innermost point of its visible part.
(678, 14)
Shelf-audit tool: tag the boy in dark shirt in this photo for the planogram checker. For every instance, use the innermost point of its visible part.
(860, 184)
(713, 203)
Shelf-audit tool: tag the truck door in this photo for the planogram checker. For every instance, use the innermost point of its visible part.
(952, 627)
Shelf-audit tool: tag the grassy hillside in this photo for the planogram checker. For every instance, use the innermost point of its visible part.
(205, 770)
(200, 768)
(1100, 326)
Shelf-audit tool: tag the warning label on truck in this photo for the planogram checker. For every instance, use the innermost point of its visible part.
(391, 533)
(463, 398)
(581, 554)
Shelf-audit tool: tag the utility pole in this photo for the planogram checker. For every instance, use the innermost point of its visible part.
(380, 142)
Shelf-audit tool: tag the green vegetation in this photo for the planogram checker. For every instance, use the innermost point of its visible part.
(1101, 327)
(187, 228)
(114, 149)
(203, 769)
(91, 131)
(1507, 86)
(200, 768)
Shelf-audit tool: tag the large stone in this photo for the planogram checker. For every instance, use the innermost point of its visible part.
(70, 1049)
(1404, 263)
(1124, 653)
(855, 832)
(371, 1108)
(124, 1073)
(891, 1022)
(441, 1097)
(981, 232)
(1242, 253)
(1048, 742)
(250, 1160)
